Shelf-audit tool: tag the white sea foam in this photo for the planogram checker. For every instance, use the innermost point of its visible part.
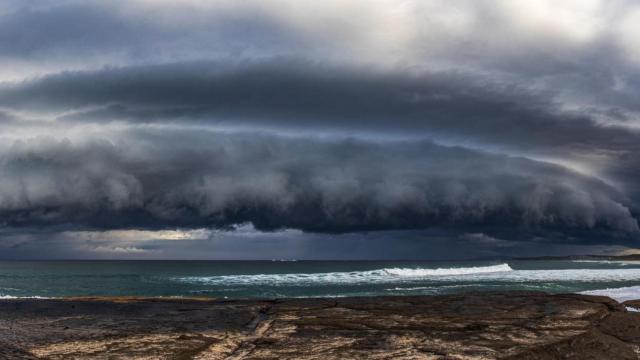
(370, 276)
(9, 297)
(619, 294)
(435, 289)
(291, 279)
(572, 275)
(448, 271)
(609, 262)
(431, 288)
(498, 273)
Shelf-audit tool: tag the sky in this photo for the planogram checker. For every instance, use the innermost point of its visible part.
(362, 129)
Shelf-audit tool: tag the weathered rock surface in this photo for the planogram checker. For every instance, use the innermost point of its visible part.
(514, 325)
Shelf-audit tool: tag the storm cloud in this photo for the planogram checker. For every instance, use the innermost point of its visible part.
(514, 123)
(164, 179)
(290, 94)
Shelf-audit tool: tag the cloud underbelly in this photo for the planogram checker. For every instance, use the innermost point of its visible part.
(161, 179)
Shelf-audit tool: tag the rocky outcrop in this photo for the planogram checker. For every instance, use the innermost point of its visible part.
(517, 325)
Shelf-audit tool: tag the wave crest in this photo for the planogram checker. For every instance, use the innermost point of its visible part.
(353, 277)
(11, 297)
(447, 271)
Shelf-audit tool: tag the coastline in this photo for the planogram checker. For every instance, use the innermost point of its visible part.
(496, 325)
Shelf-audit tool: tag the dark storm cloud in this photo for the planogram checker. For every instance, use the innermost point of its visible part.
(161, 179)
(134, 98)
(305, 97)
(300, 95)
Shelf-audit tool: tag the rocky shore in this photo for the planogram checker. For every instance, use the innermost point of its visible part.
(517, 325)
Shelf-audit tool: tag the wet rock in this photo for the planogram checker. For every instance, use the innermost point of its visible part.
(513, 325)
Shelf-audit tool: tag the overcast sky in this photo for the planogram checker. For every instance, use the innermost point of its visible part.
(326, 129)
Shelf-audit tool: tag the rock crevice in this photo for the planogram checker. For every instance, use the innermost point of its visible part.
(516, 325)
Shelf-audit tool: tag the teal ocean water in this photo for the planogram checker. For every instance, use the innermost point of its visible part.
(272, 279)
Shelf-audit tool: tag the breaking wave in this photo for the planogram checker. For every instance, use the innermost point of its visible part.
(353, 277)
(502, 273)
(9, 297)
(448, 271)
(610, 262)
(619, 294)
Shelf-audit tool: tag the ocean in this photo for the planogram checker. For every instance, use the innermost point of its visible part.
(276, 279)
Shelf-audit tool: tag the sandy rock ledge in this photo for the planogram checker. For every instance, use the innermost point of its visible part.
(515, 325)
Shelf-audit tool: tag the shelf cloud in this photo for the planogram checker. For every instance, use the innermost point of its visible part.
(513, 123)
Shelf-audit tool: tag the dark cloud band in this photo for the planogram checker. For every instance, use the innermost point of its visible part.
(193, 179)
(480, 118)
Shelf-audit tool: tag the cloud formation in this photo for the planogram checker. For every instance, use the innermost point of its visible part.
(289, 94)
(480, 117)
(164, 179)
